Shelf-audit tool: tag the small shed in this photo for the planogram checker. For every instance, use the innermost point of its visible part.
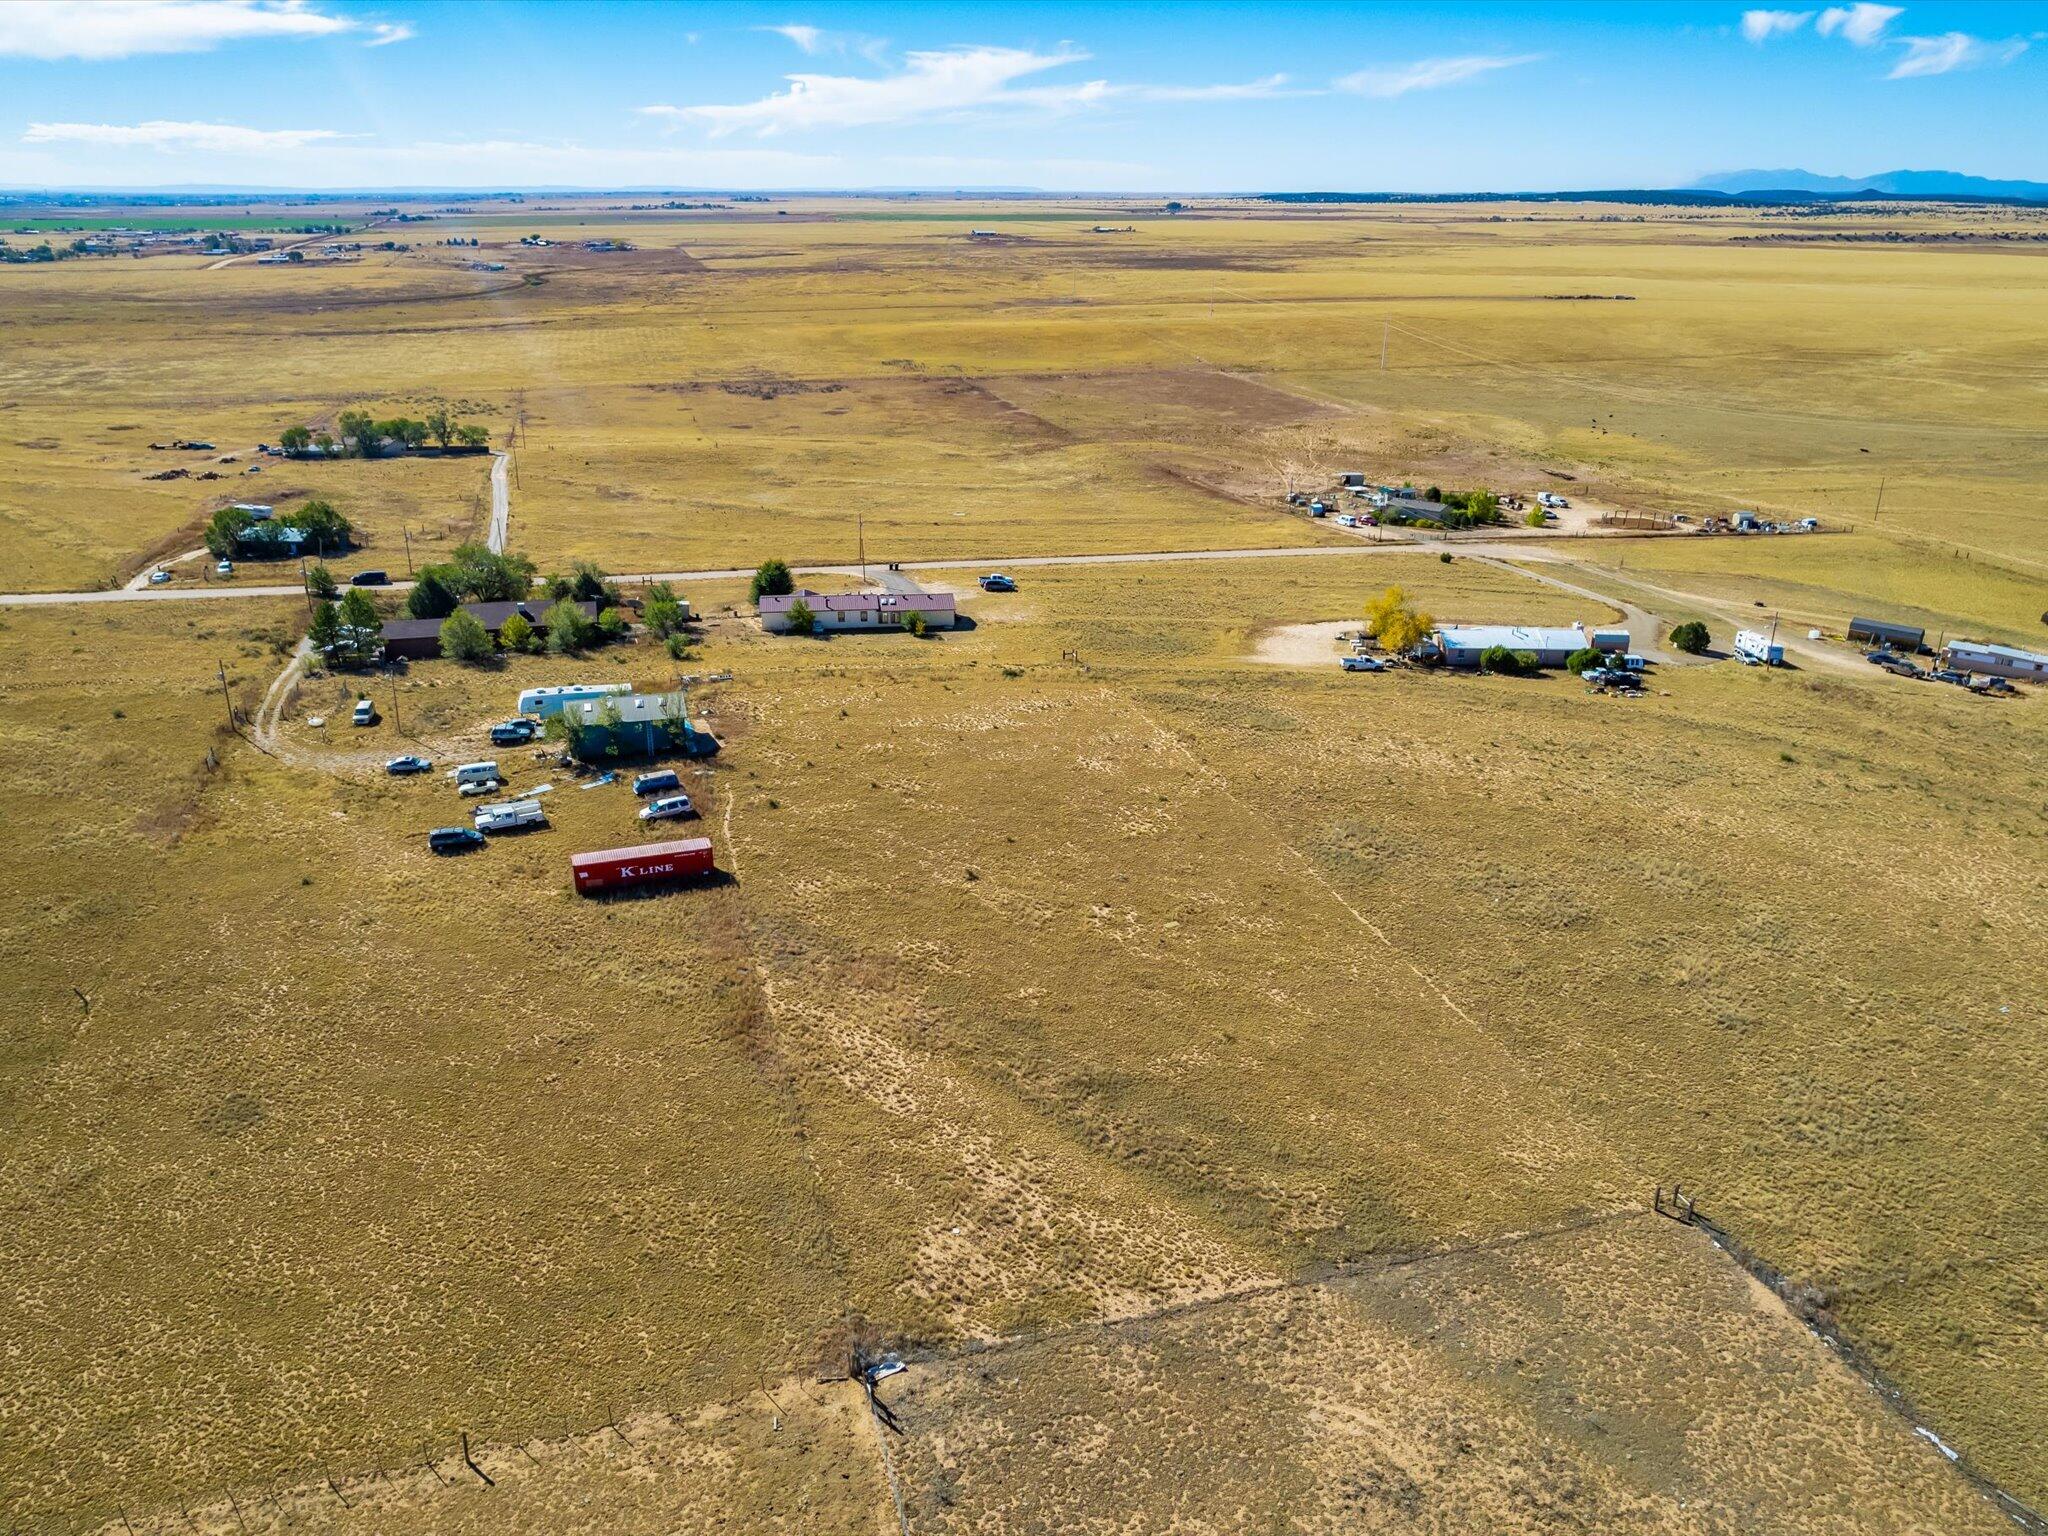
(1899, 637)
(1610, 640)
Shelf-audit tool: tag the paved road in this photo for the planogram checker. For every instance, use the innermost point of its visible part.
(1517, 551)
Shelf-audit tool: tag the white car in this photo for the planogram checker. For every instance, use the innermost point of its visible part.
(225, 568)
(667, 806)
(482, 786)
(158, 577)
(1361, 664)
(1346, 520)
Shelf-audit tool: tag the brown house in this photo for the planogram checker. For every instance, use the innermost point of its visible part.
(420, 639)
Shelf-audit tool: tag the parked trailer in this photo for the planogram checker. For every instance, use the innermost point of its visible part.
(1753, 648)
(619, 869)
(552, 701)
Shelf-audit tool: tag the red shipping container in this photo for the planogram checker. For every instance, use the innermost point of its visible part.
(617, 869)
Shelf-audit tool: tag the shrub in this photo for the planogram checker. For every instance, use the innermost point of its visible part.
(916, 624)
(1533, 518)
(1499, 658)
(772, 579)
(663, 611)
(1445, 557)
(1583, 658)
(464, 638)
(801, 620)
(1690, 637)
(612, 624)
(320, 581)
(517, 636)
(568, 629)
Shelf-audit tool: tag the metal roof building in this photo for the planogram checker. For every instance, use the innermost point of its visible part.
(1997, 660)
(871, 611)
(1877, 632)
(1463, 644)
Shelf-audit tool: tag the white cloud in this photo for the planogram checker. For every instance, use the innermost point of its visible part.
(1429, 74)
(809, 39)
(1862, 23)
(1952, 50)
(1759, 26)
(934, 83)
(382, 32)
(118, 29)
(1249, 90)
(210, 138)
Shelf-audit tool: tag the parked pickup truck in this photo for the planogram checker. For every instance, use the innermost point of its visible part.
(510, 816)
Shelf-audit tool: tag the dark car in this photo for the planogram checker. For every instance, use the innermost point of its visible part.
(1948, 675)
(662, 782)
(407, 764)
(454, 839)
(369, 579)
(1879, 658)
(512, 733)
(996, 581)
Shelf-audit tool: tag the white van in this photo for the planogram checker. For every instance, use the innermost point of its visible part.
(510, 815)
(366, 713)
(475, 773)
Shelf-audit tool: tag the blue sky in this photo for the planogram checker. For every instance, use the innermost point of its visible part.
(1140, 97)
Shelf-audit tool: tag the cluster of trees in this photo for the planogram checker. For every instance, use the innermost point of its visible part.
(347, 633)
(568, 628)
(1396, 623)
(1583, 659)
(1691, 637)
(324, 529)
(43, 252)
(366, 435)
(476, 574)
(1465, 509)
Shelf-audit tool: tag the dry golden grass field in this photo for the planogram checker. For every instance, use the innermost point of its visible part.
(1236, 1086)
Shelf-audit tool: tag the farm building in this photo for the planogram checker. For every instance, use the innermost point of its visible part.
(270, 540)
(1613, 640)
(420, 639)
(1996, 660)
(635, 725)
(1416, 508)
(1463, 644)
(1900, 637)
(869, 611)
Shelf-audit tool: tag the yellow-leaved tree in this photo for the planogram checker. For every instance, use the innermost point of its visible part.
(1396, 623)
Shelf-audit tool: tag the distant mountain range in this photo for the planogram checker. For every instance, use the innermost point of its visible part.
(1896, 183)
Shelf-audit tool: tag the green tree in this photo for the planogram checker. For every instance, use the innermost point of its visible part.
(224, 532)
(1690, 637)
(295, 440)
(612, 623)
(473, 437)
(568, 630)
(323, 526)
(663, 612)
(1583, 658)
(325, 629)
(432, 596)
(489, 577)
(516, 635)
(358, 611)
(323, 442)
(915, 623)
(801, 620)
(441, 425)
(359, 428)
(1534, 517)
(321, 583)
(772, 579)
(464, 638)
(1434, 493)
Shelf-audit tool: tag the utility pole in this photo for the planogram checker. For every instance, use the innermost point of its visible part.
(1879, 513)
(394, 704)
(225, 697)
(406, 534)
(860, 525)
(305, 583)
